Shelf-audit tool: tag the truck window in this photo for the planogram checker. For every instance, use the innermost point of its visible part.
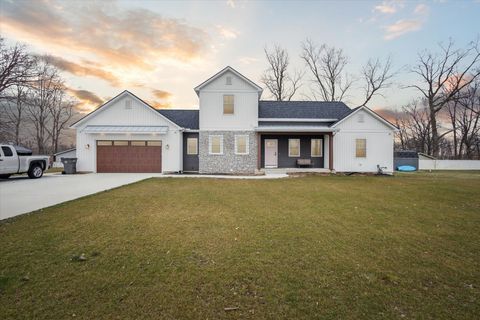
(7, 151)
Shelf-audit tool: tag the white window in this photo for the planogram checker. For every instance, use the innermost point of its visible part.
(154, 143)
(241, 145)
(192, 145)
(317, 148)
(361, 148)
(228, 81)
(120, 143)
(215, 144)
(294, 147)
(228, 104)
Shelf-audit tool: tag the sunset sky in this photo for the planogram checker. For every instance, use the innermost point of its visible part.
(160, 50)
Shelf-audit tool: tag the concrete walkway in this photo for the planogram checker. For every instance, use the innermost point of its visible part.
(20, 195)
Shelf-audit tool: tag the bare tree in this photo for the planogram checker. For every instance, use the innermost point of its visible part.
(467, 119)
(443, 75)
(414, 128)
(40, 101)
(61, 111)
(17, 67)
(377, 75)
(327, 66)
(277, 79)
(14, 109)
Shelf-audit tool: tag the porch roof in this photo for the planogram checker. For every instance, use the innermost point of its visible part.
(291, 128)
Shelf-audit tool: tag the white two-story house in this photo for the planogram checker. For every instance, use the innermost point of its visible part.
(233, 132)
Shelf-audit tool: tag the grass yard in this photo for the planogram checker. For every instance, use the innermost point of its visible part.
(329, 247)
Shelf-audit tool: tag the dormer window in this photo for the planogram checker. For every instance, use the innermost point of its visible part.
(228, 104)
(228, 81)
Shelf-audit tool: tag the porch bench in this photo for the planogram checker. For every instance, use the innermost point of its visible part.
(304, 162)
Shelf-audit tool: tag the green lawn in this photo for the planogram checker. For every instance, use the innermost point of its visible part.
(329, 247)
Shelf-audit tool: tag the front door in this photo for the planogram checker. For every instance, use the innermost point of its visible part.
(271, 153)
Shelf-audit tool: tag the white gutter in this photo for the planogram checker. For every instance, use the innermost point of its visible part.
(295, 129)
(296, 120)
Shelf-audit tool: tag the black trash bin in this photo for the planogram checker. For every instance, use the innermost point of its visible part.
(69, 165)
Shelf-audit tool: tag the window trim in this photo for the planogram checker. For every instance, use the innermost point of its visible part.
(196, 146)
(210, 140)
(321, 148)
(289, 149)
(356, 148)
(247, 143)
(233, 104)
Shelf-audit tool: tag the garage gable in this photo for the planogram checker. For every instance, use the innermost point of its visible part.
(363, 118)
(125, 109)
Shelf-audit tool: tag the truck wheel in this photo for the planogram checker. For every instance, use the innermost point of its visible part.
(35, 171)
(4, 176)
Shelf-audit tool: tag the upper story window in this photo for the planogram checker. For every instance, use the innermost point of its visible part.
(228, 104)
(294, 147)
(228, 81)
(361, 148)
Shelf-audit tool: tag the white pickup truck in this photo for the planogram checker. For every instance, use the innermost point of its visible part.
(15, 159)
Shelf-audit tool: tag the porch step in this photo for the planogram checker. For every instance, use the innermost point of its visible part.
(294, 170)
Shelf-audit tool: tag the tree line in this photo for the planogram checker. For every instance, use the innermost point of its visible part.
(35, 108)
(443, 120)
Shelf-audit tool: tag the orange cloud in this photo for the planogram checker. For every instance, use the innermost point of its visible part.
(163, 99)
(121, 37)
(87, 100)
(160, 104)
(82, 70)
(160, 94)
(389, 114)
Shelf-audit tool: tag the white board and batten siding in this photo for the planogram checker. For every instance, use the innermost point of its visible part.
(136, 114)
(245, 116)
(379, 143)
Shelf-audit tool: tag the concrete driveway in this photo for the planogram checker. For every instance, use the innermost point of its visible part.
(20, 195)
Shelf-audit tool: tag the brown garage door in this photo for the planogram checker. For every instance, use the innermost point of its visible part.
(129, 156)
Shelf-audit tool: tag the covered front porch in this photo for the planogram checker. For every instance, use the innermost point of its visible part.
(295, 150)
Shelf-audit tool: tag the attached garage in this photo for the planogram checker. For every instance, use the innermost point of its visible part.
(129, 156)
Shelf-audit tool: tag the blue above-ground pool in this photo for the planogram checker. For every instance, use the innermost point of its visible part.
(407, 168)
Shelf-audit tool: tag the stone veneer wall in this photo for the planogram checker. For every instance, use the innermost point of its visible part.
(228, 162)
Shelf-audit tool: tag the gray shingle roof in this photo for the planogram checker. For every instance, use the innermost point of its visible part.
(183, 117)
(270, 109)
(303, 109)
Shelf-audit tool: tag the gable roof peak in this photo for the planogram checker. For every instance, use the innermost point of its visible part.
(221, 72)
